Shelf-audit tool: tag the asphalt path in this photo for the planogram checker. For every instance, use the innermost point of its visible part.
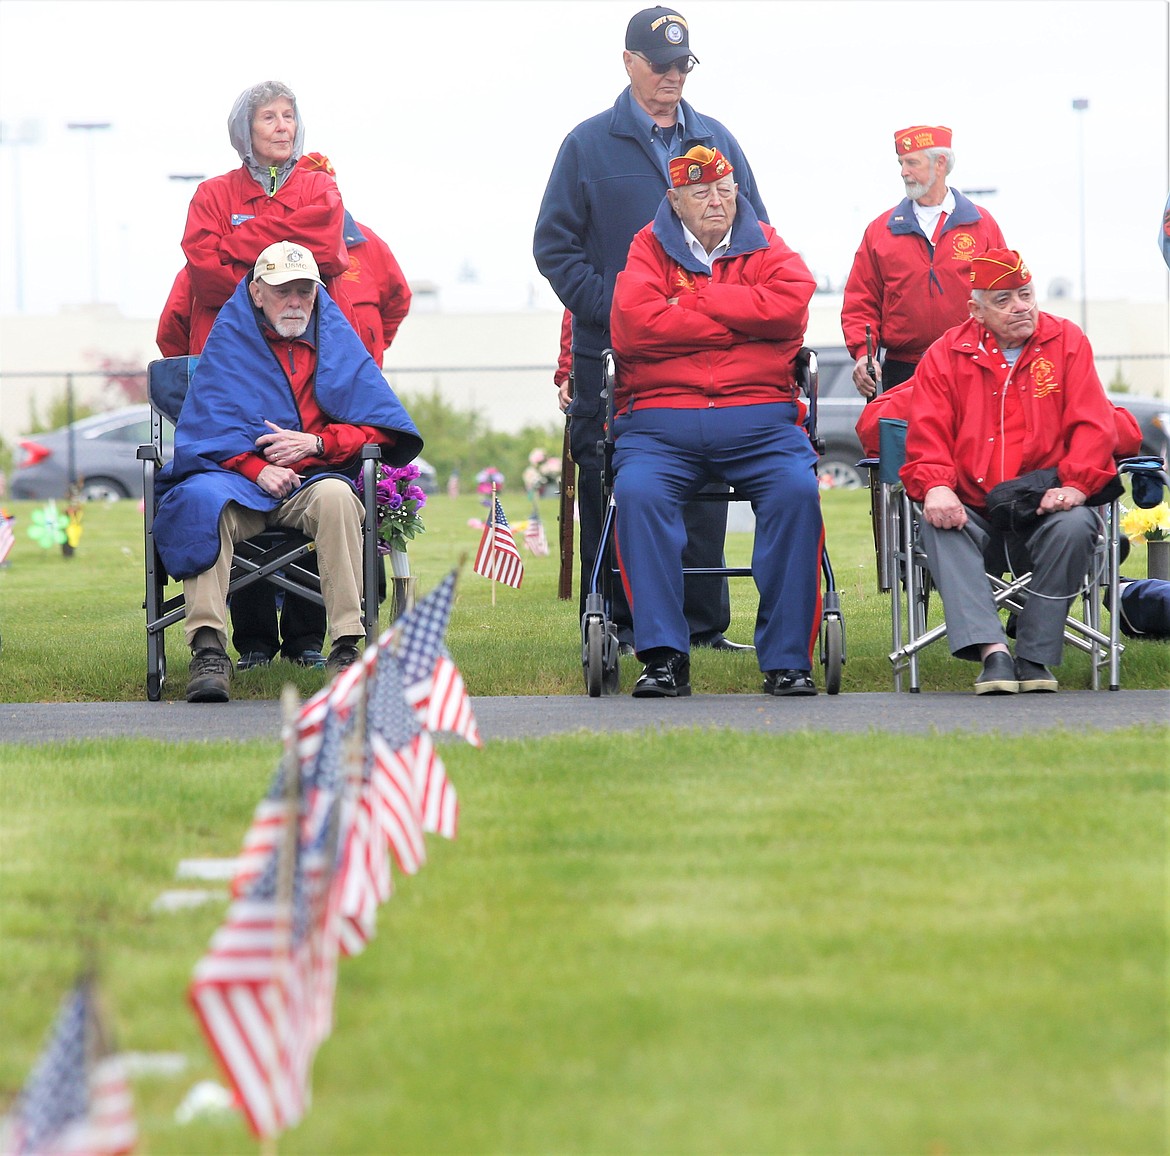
(539, 717)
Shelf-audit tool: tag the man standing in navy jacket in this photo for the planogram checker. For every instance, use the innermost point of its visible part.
(607, 182)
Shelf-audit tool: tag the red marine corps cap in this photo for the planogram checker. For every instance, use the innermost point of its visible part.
(699, 166)
(922, 136)
(999, 269)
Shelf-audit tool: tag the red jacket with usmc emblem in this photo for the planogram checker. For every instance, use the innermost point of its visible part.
(956, 424)
(908, 291)
(733, 336)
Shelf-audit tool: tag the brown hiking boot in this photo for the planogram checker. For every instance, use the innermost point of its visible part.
(211, 669)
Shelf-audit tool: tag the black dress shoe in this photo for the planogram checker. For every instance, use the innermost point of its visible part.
(721, 643)
(665, 677)
(789, 683)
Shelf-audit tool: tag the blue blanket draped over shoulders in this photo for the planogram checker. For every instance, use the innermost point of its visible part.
(237, 385)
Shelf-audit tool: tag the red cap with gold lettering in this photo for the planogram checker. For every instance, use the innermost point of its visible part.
(922, 136)
(999, 269)
(699, 166)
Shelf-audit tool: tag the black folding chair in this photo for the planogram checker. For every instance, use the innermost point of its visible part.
(272, 556)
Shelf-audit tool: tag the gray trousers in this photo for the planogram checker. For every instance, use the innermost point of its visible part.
(1058, 551)
(329, 512)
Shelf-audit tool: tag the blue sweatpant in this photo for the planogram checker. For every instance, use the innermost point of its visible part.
(662, 457)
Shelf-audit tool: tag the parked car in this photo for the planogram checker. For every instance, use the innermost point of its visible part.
(106, 464)
(105, 457)
(839, 406)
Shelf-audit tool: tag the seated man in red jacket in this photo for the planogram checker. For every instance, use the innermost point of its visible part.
(708, 317)
(1009, 392)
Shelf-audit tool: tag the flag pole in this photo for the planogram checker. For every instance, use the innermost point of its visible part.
(290, 702)
(495, 559)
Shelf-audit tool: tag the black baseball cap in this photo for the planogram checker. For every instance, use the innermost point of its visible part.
(659, 34)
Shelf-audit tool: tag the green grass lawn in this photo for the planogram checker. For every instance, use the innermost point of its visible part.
(698, 941)
(73, 628)
(706, 942)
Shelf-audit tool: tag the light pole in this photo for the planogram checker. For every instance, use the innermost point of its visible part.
(27, 132)
(1080, 104)
(89, 127)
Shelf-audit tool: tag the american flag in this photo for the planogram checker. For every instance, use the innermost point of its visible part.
(77, 1099)
(434, 686)
(7, 537)
(534, 536)
(497, 557)
(320, 773)
(255, 997)
(392, 732)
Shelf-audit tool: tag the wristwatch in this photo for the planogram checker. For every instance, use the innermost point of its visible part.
(320, 446)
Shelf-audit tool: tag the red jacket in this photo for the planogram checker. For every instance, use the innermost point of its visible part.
(376, 289)
(173, 336)
(565, 357)
(232, 219)
(733, 337)
(955, 414)
(897, 402)
(909, 293)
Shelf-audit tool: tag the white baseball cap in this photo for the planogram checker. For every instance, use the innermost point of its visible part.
(286, 261)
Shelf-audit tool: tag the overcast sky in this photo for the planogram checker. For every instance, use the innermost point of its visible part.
(443, 118)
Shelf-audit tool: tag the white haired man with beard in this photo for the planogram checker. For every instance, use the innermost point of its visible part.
(910, 280)
(281, 403)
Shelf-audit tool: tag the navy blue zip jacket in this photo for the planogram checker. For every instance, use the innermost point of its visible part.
(606, 184)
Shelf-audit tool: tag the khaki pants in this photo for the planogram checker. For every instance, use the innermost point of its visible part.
(329, 512)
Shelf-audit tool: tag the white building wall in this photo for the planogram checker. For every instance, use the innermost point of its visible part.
(445, 346)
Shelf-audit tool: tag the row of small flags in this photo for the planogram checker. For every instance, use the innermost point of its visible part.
(359, 785)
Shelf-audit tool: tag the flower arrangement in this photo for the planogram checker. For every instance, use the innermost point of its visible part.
(1152, 525)
(397, 502)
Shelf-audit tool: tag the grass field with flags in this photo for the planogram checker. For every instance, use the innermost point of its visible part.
(692, 941)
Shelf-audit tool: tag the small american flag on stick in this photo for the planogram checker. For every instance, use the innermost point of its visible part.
(497, 557)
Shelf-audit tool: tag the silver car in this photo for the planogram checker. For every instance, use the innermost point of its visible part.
(105, 461)
(104, 452)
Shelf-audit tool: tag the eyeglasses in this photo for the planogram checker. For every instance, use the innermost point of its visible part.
(684, 64)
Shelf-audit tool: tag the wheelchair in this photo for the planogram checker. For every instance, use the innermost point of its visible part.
(273, 555)
(599, 642)
(903, 573)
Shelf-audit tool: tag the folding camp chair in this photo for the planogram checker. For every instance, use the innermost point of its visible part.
(271, 556)
(903, 571)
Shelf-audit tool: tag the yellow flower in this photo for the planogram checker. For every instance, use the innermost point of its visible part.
(1140, 525)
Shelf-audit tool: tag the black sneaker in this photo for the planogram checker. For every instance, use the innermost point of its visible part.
(1032, 676)
(313, 658)
(211, 669)
(789, 683)
(253, 659)
(341, 657)
(998, 675)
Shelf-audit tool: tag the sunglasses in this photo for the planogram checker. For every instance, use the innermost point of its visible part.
(684, 64)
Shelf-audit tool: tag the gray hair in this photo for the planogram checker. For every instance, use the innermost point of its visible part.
(269, 90)
(932, 155)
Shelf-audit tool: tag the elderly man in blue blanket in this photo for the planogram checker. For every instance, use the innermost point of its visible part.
(280, 405)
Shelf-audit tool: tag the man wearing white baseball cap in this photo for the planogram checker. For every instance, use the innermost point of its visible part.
(283, 399)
